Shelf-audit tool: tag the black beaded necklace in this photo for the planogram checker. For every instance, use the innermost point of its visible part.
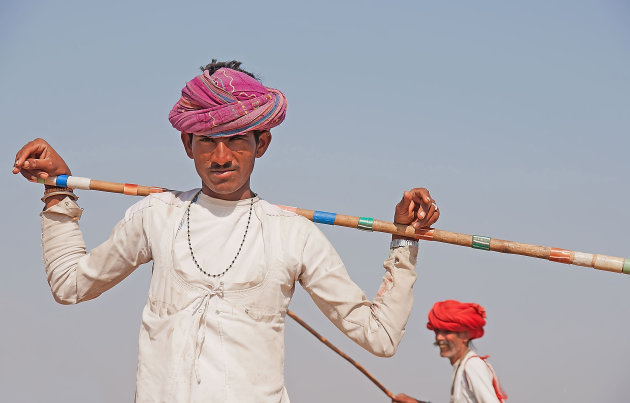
(194, 200)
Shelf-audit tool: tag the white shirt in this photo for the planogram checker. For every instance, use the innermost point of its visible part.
(222, 340)
(472, 380)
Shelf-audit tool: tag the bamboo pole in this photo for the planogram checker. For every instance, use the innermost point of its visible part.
(596, 261)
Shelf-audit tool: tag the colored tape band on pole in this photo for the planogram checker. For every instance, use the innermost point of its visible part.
(365, 223)
(62, 181)
(426, 235)
(77, 182)
(626, 266)
(323, 217)
(41, 180)
(130, 189)
(481, 242)
(560, 255)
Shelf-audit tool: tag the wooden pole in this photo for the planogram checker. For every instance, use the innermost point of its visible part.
(596, 261)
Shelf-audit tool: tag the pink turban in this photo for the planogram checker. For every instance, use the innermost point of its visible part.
(227, 103)
(458, 317)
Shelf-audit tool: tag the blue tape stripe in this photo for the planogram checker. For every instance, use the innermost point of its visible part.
(62, 181)
(323, 217)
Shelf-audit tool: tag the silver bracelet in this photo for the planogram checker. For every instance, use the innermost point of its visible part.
(60, 192)
(400, 242)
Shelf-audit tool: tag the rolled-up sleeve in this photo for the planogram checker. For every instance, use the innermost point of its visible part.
(75, 275)
(378, 325)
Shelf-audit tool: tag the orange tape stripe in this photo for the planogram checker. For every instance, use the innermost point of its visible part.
(560, 255)
(426, 235)
(288, 208)
(130, 189)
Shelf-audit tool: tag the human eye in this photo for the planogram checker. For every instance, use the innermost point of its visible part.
(238, 141)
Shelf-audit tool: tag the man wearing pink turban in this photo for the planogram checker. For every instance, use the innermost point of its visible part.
(225, 261)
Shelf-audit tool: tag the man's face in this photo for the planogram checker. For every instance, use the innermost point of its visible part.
(453, 345)
(225, 164)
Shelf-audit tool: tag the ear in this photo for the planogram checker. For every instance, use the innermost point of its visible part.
(263, 143)
(187, 139)
(466, 337)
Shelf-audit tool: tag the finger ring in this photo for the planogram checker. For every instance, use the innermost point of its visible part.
(434, 205)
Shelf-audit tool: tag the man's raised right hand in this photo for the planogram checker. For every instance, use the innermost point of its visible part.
(37, 159)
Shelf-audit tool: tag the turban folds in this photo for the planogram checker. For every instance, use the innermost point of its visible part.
(458, 317)
(227, 103)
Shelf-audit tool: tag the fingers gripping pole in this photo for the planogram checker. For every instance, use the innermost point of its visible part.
(599, 262)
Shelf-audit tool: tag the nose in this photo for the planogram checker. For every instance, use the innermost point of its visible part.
(222, 153)
(439, 335)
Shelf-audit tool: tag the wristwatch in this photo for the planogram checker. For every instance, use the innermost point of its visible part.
(399, 242)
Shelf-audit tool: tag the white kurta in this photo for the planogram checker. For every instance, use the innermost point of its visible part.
(222, 340)
(472, 381)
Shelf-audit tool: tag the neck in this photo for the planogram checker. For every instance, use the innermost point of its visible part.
(459, 356)
(243, 193)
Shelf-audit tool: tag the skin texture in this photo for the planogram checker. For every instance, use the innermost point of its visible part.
(37, 159)
(225, 164)
(416, 208)
(402, 398)
(453, 345)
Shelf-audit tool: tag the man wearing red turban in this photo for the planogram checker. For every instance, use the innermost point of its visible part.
(455, 324)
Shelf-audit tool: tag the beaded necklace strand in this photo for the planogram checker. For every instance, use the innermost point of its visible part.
(192, 254)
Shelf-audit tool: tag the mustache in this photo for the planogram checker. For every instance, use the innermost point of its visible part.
(227, 165)
(440, 343)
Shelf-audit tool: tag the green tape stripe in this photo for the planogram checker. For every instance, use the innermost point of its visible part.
(40, 180)
(481, 242)
(365, 223)
(626, 266)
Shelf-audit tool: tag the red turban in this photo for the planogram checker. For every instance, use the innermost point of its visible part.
(458, 317)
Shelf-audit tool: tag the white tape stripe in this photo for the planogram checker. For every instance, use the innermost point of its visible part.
(583, 259)
(77, 182)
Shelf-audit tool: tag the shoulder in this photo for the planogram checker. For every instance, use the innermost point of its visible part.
(284, 216)
(475, 365)
(173, 199)
(292, 226)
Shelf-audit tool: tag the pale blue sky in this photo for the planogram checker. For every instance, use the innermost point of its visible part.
(515, 116)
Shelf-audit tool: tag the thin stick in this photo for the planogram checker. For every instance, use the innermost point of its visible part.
(341, 353)
(599, 262)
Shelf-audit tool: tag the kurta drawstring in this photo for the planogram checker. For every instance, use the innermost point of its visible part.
(201, 326)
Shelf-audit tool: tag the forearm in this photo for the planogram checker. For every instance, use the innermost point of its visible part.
(74, 275)
(63, 247)
(377, 326)
(394, 300)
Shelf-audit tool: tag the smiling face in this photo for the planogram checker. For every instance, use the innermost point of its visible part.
(453, 345)
(225, 164)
